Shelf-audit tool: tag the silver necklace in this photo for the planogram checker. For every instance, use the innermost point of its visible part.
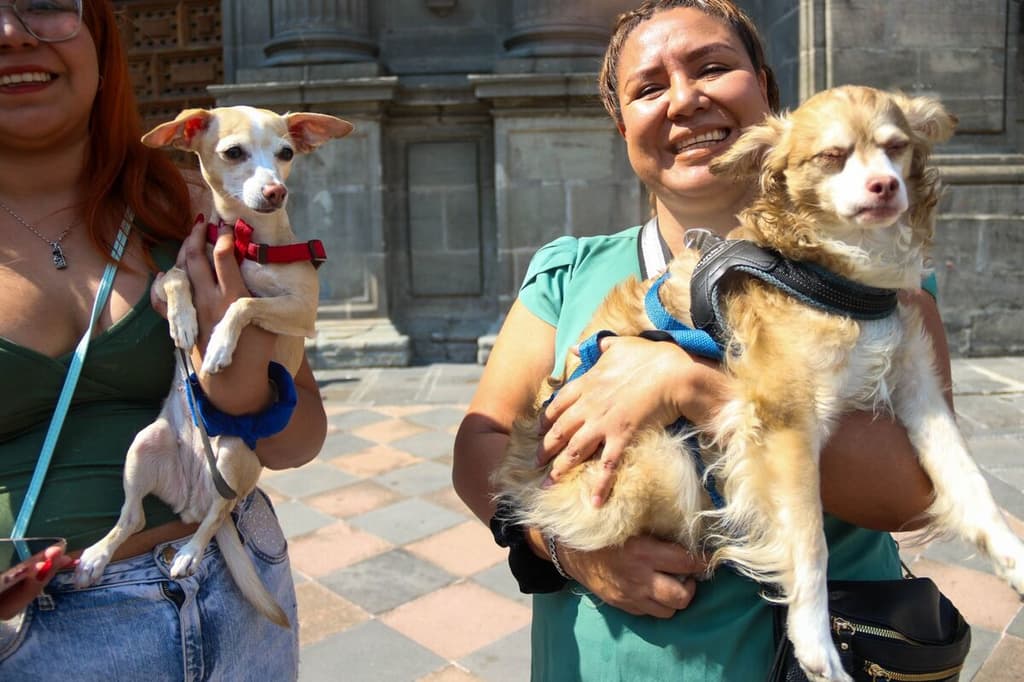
(55, 249)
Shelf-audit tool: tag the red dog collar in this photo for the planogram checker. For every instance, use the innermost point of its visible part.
(245, 248)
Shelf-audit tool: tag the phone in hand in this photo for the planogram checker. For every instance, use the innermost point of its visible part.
(13, 567)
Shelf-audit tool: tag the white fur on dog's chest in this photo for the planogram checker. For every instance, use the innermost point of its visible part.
(866, 383)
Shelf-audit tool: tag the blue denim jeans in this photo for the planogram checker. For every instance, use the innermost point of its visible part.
(137, 623)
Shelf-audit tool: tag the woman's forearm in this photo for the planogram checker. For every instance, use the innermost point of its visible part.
(870, 475)
(304, 436)
(479, 447)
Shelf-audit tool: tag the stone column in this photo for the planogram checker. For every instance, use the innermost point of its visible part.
(569, 28)
(320, 32)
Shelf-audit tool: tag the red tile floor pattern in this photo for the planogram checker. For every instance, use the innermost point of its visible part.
(466, 602)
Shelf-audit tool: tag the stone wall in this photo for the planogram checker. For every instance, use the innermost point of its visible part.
(967, 53)
(479, 137)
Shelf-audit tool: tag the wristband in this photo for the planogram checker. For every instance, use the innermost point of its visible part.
(532, 573)
(249, 427)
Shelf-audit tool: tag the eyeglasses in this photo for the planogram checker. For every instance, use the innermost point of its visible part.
(49, 21)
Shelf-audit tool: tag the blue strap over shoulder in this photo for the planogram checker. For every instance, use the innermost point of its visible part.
(691, 340)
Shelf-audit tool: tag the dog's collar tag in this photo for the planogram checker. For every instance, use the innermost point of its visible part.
(245, 249)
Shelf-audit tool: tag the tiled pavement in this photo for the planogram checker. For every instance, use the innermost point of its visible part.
(397, 581)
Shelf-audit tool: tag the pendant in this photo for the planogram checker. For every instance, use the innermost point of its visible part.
(58, 256)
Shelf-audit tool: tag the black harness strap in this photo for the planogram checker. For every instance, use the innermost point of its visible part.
(722, 259)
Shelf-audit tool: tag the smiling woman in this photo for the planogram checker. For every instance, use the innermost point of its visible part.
(73, 172)
(681, 79)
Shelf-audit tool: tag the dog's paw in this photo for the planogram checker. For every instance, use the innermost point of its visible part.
(186, 561)
(184, 326)
(91, 564)
(814, 650)
(1008, 557)
(218, 351)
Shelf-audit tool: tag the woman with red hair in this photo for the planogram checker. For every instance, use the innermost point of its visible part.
(73, 174)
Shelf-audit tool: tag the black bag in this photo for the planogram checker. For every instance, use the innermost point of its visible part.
(886, 630)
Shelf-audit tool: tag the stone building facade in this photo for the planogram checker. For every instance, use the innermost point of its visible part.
(479, 137)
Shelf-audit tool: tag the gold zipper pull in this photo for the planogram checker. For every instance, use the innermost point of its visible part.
(841, 626)
(877, 672)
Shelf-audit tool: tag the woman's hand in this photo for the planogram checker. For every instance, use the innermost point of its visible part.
(243, 386)
(644, 577)
(636, 383)
(37, 575)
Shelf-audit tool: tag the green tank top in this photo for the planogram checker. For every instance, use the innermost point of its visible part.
(125, 378)
(726, 633)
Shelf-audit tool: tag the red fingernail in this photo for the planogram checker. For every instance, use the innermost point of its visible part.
(47, 565)
(200, 218)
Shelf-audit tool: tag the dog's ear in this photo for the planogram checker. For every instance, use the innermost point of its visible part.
(927, 117)
(308, 130)
(179, 133)
(746, 158)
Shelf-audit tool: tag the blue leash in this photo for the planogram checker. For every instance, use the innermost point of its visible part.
(28, 504)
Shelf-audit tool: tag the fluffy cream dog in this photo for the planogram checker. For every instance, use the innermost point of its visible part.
(245, 155)
(845, 186)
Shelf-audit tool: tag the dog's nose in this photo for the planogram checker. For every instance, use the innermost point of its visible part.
(275, 194)
(883, 185)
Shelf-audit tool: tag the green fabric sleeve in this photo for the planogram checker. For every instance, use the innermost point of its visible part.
(543, 288)
(930, 284)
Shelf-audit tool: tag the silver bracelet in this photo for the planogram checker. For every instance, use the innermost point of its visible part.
(553, 551)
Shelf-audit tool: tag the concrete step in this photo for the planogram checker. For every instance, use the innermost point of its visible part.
(351, 343)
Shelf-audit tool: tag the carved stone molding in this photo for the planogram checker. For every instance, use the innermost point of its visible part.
(320, 32)
(569, 28)
(441, 8)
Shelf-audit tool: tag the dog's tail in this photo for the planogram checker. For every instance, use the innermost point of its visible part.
(241, 569)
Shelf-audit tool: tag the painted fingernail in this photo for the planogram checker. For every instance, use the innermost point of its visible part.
(200, 218)
(44, 569)
(547, 482)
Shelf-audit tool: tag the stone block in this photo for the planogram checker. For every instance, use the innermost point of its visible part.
(971, 83)
(949, 24)
(535, 214)
(438, 164)
(563, 151)
(462, 218)
(983, 199)
(446, 273)
(342, 277)
(919, 23)
(997, 332)
(426, 211)
(885, 69)
(602, 208)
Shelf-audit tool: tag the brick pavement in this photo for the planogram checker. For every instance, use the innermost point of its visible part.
(397, 581)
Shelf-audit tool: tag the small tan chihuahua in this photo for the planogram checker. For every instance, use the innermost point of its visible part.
(245, 155)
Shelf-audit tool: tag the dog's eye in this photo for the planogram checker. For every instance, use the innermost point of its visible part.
(234, 153)
(896, 147)
(832, 157)
(286, 154)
